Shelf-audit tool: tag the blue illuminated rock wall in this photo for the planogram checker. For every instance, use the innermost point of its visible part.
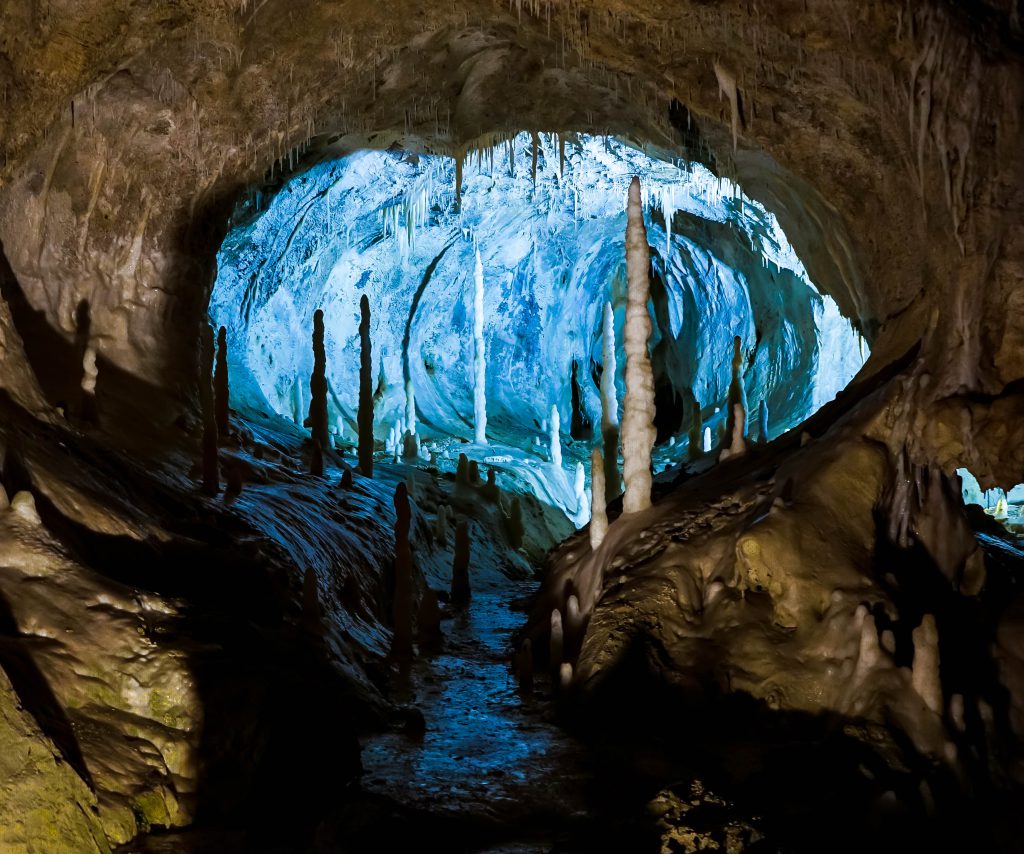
(386, 223)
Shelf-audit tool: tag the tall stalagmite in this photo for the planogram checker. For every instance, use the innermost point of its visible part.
(318, 385)
(479, 356)
(211, 476)
(403, 606)
(638, 433)
(555, 439)
(365, 419)
(220, 383)
(737, 394)
(609, 406)
(598, 512)
(460, 565)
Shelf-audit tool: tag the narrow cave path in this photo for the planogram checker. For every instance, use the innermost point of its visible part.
(491, 762)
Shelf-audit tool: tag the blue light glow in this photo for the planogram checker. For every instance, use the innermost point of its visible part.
(386, 223)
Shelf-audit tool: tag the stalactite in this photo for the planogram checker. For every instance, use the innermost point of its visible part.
(365, 419)
(598, 511)
(762, 421)
(460, 565)
(638, 432)
(555, 439)
(479, 356)
(609, 406)
(401, 643)
(220, 383)
(211, 476)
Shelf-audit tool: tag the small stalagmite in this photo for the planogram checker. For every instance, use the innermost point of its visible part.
(925, 669)
(556, 651)
(460, 565)
(428, 619)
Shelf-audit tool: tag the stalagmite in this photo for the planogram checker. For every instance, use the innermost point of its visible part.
(365, 419)
(609, 406)
(490, 489)
(573, 626)
(221, 393)
(23, 504)
(737, 442)
(565, 676)
(737, 394)
(557, 643)
(211, 476)
(514, 524)
(316, 463)
(706, 446)
(555, 439)
(410, 409)
(762, 421)
(925, 670)
(460, 565)
(598, 511)
(346, 478)
(317, 385)
(441, 526)
(474, 473)
(90, 375)
(579, 488)
(401, 643)
(462, 471)
(428, 618)
(696, 422)
(479, 356)
(638, 433)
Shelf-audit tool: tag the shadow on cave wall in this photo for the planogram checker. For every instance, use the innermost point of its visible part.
(802, 780)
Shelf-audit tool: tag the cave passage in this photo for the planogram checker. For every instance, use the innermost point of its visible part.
(546, 215)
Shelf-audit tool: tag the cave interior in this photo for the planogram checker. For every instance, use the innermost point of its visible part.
(543, 426)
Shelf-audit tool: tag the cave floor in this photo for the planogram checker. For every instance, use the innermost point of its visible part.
(489, 759)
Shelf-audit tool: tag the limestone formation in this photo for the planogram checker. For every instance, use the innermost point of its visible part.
(365, 391)
(318, 385)
(221, 391)
(402, 611)
(460, 565)
(638, 431)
